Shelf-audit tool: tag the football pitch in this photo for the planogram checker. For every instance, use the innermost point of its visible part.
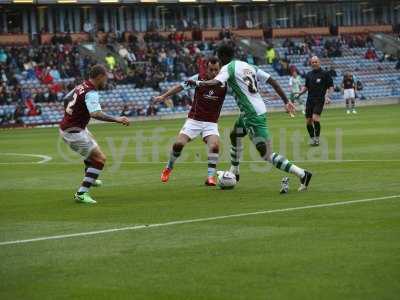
(183, 240)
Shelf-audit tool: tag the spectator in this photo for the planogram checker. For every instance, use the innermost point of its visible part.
(3, 56)
(3, 93)
(123, 52)
(119, 76)
(157, 78)
(110, 61)
(39, 96)
(151, 110)
(370, 54)
(126, 112)
(4, 76)
(46, 78)
(270, 54)
(131, 58)
(33, 109)
(140, 111)
(51, 95)
(18, 113)
(55, 74)
(16, 94)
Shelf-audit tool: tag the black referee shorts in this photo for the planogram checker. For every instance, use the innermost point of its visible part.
(314, 106)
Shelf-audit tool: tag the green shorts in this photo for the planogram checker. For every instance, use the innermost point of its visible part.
(255, 126)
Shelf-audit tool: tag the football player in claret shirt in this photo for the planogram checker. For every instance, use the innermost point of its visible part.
(349, 92)
(202, 120)
(84, 104)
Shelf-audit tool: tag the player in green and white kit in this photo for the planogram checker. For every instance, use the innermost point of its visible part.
(295, 84)
(243, 79)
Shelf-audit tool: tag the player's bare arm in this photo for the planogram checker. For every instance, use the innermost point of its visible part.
(290, 107)
(174, 90)
(99, 115)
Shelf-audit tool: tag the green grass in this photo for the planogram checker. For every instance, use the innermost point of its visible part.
(341, 252)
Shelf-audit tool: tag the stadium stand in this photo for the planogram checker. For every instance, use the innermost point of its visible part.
(34, 80)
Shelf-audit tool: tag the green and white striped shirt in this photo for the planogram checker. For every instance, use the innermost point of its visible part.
(243, 79)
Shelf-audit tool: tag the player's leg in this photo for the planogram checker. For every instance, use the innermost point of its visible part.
(347, 105)
(260, 136)
(238, 132)
(86, 161)
(83, 143)
(354, 96)
(210, 136)
(212, 158)
(282, 163)
(347, 100)
(190, 130)
(353, 103)
(309, 121)
(316, 118)
(96, 160)
(97, 182)
(181, 140)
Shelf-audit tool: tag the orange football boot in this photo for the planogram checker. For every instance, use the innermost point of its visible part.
(211, 181)
(166, 172)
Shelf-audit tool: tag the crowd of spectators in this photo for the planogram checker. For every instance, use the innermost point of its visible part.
(156, 56)
(320, 46)
(327, 47)
(144, 60)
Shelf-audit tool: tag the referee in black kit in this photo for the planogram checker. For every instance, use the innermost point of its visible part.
(319, 85)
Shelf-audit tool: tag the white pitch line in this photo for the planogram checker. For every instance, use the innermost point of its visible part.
(45, 158)
(137, 227)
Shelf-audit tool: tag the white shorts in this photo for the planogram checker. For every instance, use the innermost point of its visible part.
(349, 93)
(81, 142)
(193, 128)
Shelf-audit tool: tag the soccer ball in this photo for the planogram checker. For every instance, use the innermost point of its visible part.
(226, 180)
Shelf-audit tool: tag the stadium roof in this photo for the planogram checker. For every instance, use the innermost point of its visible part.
(155, 1)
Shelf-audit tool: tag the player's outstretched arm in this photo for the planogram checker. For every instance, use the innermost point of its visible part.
(174, 90)
(212, 82)
(99, 115)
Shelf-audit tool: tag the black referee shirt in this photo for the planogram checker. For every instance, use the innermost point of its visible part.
(317, 82)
